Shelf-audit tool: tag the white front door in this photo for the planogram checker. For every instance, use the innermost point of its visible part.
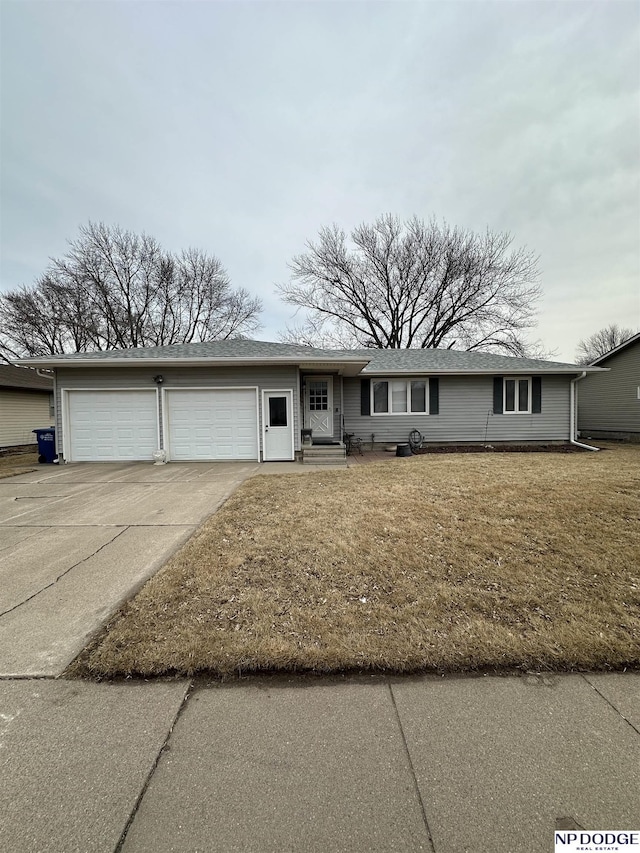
(318, 406)
(277, 417)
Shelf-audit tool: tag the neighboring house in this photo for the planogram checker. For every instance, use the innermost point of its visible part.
(250, 399)
(609, 403)
(26, 403)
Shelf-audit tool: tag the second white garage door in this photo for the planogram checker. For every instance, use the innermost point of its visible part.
(211, 424)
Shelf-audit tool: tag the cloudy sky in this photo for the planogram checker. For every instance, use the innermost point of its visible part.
(242, 128)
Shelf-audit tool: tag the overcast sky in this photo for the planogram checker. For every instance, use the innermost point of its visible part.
(242, 128)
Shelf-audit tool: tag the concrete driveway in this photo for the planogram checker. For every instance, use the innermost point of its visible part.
(77, 540)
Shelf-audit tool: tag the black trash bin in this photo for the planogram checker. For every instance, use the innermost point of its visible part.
(46, 444)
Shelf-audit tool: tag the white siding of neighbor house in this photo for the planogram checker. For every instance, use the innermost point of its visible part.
(20, 413)
(466, 414)
(105, 378)
(609, 402)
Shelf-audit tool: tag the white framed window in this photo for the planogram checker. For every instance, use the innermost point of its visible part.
(516, 395)
(399, 396)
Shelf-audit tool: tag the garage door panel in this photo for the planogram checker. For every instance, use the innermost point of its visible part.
(111, 426)
(215, 424)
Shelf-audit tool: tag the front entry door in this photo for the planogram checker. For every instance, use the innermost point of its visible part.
(278, 426)
(318, 406)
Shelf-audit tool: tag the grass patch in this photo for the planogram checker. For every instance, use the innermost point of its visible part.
(446, 563)
(18, 463)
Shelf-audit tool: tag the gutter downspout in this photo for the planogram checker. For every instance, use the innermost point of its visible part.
(572, 416)
(55, 405)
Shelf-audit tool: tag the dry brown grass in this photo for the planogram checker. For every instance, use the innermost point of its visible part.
(18, 463)
(454, 562)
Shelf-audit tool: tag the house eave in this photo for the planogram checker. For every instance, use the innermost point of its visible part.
(26, 389)
(346, 366)
(495, 372)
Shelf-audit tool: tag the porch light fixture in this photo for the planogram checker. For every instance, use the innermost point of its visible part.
(159, 379)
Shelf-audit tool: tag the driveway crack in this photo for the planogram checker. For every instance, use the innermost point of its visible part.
(152, 770)
(38, 497)
(412, 769)
(610, 703)
(66, 572)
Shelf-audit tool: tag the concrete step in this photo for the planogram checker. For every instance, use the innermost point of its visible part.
(336, 462)
(332, 450)
(310, 456)
(333, 454)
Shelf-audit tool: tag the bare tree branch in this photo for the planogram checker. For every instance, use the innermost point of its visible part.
(116, 289)
(414, 284)
(602, 342)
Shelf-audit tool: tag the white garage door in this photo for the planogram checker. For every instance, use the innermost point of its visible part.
(112, 426)
(212, 424)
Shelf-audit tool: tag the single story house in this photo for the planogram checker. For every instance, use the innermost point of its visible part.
(26, 403)
(609, 403)
(245, 399)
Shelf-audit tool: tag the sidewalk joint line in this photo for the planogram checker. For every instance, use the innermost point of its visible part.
(13, 544)
(610, 703)
(113, 524)
(66, 572)
(412, 769)
(31, 677)
(152, 770)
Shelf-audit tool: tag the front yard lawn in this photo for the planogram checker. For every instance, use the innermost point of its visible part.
(435, 563)
(18, 463)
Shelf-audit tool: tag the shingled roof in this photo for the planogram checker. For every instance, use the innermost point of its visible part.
(232, 349)
(456, 361)
(22, 377)
(369, 361)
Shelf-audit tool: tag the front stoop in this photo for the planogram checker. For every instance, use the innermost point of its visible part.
(328, 454)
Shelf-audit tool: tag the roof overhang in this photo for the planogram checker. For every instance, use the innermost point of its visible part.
(345, 366)
(31, 389)
(351, 368)
(496, 371)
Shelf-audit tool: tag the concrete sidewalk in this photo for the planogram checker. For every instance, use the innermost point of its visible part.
(451, 765)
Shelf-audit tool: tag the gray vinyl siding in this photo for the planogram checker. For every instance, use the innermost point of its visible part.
(337, 408)
(466, 415)
(105, 378)
(609, 402)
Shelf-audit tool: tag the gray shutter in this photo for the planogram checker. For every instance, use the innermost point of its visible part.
(497, 395)
(434, 395)
(536, 395)
(365, 396)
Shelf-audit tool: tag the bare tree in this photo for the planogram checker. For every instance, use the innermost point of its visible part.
(602, 342)
(116, 289)
(414, 284)
(44, 319)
